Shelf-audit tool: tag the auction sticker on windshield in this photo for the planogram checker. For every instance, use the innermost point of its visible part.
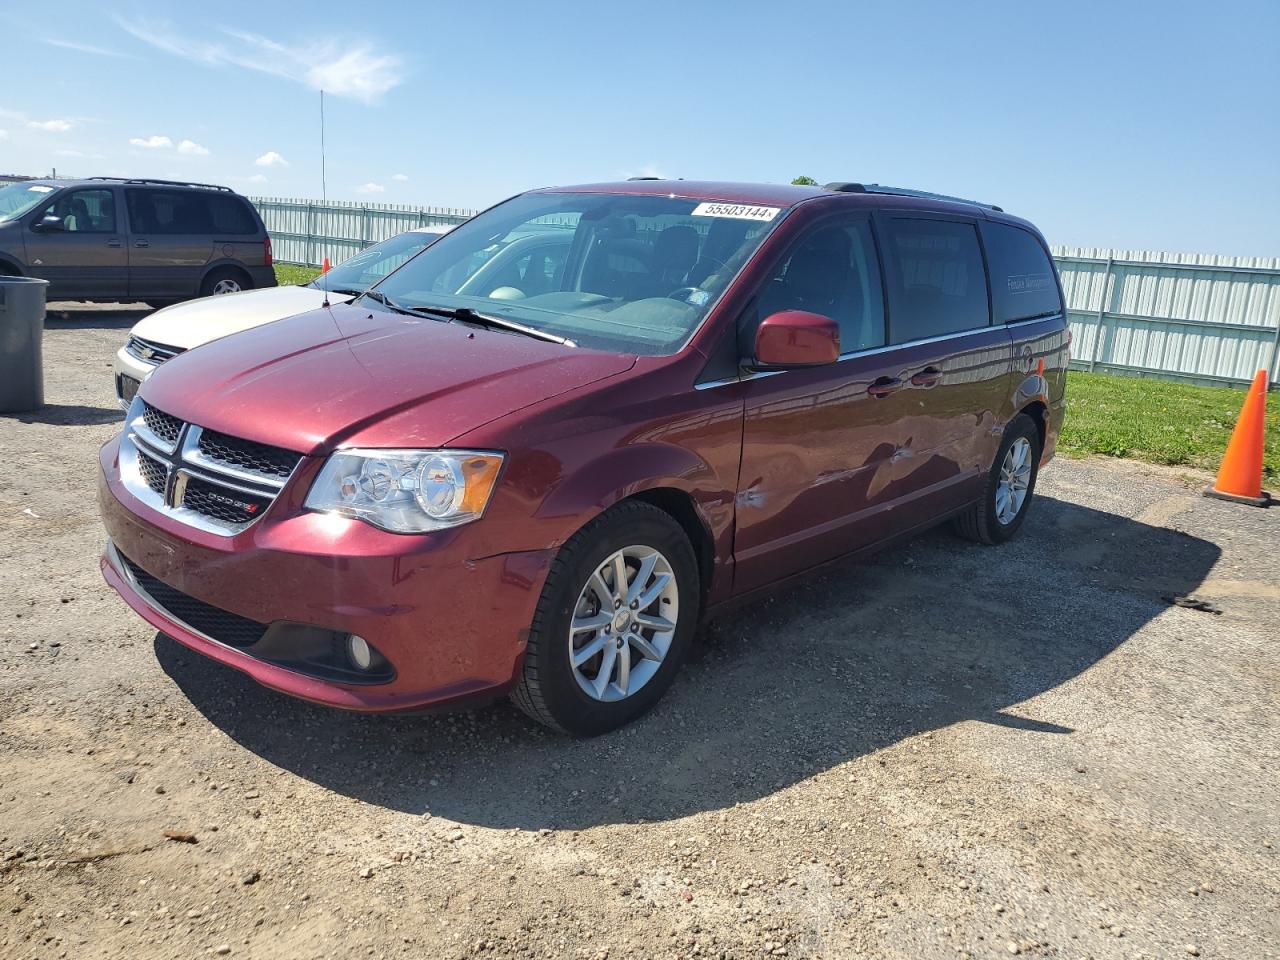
(738, 211)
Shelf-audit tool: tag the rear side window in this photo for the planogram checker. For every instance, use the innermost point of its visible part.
(937, 284)
(168, 212)
(230, 215)
(1022, 278)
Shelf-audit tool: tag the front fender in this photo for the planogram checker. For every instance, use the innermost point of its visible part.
(597, 484)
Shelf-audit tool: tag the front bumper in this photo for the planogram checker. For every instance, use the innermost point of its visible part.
(128, 365)
(451, 626)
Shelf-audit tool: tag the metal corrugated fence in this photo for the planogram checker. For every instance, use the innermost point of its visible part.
(1206, 319)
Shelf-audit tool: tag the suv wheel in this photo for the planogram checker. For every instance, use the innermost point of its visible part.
(614, 623)
(1006, 496)
(224, 280)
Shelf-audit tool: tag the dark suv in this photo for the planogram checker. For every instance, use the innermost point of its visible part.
(111, 239)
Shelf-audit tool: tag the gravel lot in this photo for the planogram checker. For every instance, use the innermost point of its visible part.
(949, 751)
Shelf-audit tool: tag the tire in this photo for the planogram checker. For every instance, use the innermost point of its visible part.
(989, 520)
(555, 693)
(225, 280)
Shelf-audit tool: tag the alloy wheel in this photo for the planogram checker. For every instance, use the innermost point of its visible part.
(226, 285)
(1015, 480)
(623, 623)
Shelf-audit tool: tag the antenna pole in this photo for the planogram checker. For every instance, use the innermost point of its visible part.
(324, 188)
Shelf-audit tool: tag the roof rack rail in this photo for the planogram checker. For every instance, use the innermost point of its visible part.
(643, 178)
(166, 183)
(840, 187)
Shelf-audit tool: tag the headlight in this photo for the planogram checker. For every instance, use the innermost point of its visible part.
(406, 491)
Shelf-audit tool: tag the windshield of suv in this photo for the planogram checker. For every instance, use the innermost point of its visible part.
(372, 264)
(17, 198)
(632, 274)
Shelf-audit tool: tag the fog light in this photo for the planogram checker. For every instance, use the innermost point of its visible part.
(359, 652)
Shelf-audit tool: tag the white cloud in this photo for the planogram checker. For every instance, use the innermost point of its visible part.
(193, 149)
(402, 177)
(271, 159)
(86, 48)
(78, 154)
(50, 126)
(4, 134)
(371, 188)
(156, 142)
(344, 69)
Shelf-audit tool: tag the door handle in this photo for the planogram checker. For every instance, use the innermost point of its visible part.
(114, 243)
(884, 386)
(142, 243)
(928, 377)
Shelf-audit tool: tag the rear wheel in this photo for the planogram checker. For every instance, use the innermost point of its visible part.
(225, 280)
(614, 623)
(1009, 488)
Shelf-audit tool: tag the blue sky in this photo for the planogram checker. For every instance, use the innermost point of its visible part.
(1124, 124)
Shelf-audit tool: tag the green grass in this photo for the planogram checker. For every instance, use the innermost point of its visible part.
(290, 275)
(1158, 421)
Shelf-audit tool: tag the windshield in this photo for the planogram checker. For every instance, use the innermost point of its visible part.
(374, 263)
(17, 198)
(632, 274)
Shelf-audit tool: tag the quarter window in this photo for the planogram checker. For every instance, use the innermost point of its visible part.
(84, 211)
(937, 284)
(1023, 283)
(834, 271)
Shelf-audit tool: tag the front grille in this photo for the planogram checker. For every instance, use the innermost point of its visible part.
(222, 503)
(214, 622)
(161, 424)
(154, 473)
(148, 351)
(207, 479)
(248, 454)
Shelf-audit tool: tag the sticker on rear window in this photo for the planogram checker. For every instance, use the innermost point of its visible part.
(737, 211)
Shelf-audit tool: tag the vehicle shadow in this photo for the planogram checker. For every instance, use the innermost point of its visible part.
(842, 664)
(95, 316)
(68, 414)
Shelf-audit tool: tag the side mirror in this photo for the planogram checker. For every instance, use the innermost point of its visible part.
(796, 338)
(49, 224)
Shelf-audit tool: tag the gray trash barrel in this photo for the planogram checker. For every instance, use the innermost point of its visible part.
(21, 336)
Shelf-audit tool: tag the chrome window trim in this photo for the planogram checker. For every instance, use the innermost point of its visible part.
(873, 351)
(1045, 319)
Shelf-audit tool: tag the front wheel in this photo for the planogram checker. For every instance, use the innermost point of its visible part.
(614, 623)
(1006, 496)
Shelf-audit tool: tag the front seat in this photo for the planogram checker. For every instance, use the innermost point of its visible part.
(817, 277)
(674, 254)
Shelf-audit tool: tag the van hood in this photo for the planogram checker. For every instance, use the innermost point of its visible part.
(194, 322)
(349, 375)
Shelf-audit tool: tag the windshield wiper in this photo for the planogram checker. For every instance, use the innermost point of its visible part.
(467, 315)
(386, 301)
(344, 291)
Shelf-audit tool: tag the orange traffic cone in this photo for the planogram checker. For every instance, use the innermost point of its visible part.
(325, 267)
(1240, 476)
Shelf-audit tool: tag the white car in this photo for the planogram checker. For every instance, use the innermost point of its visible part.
(168, 332)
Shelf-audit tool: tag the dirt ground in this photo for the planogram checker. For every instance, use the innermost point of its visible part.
(948, 751)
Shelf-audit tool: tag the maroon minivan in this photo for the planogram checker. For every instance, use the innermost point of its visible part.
(531, 459)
